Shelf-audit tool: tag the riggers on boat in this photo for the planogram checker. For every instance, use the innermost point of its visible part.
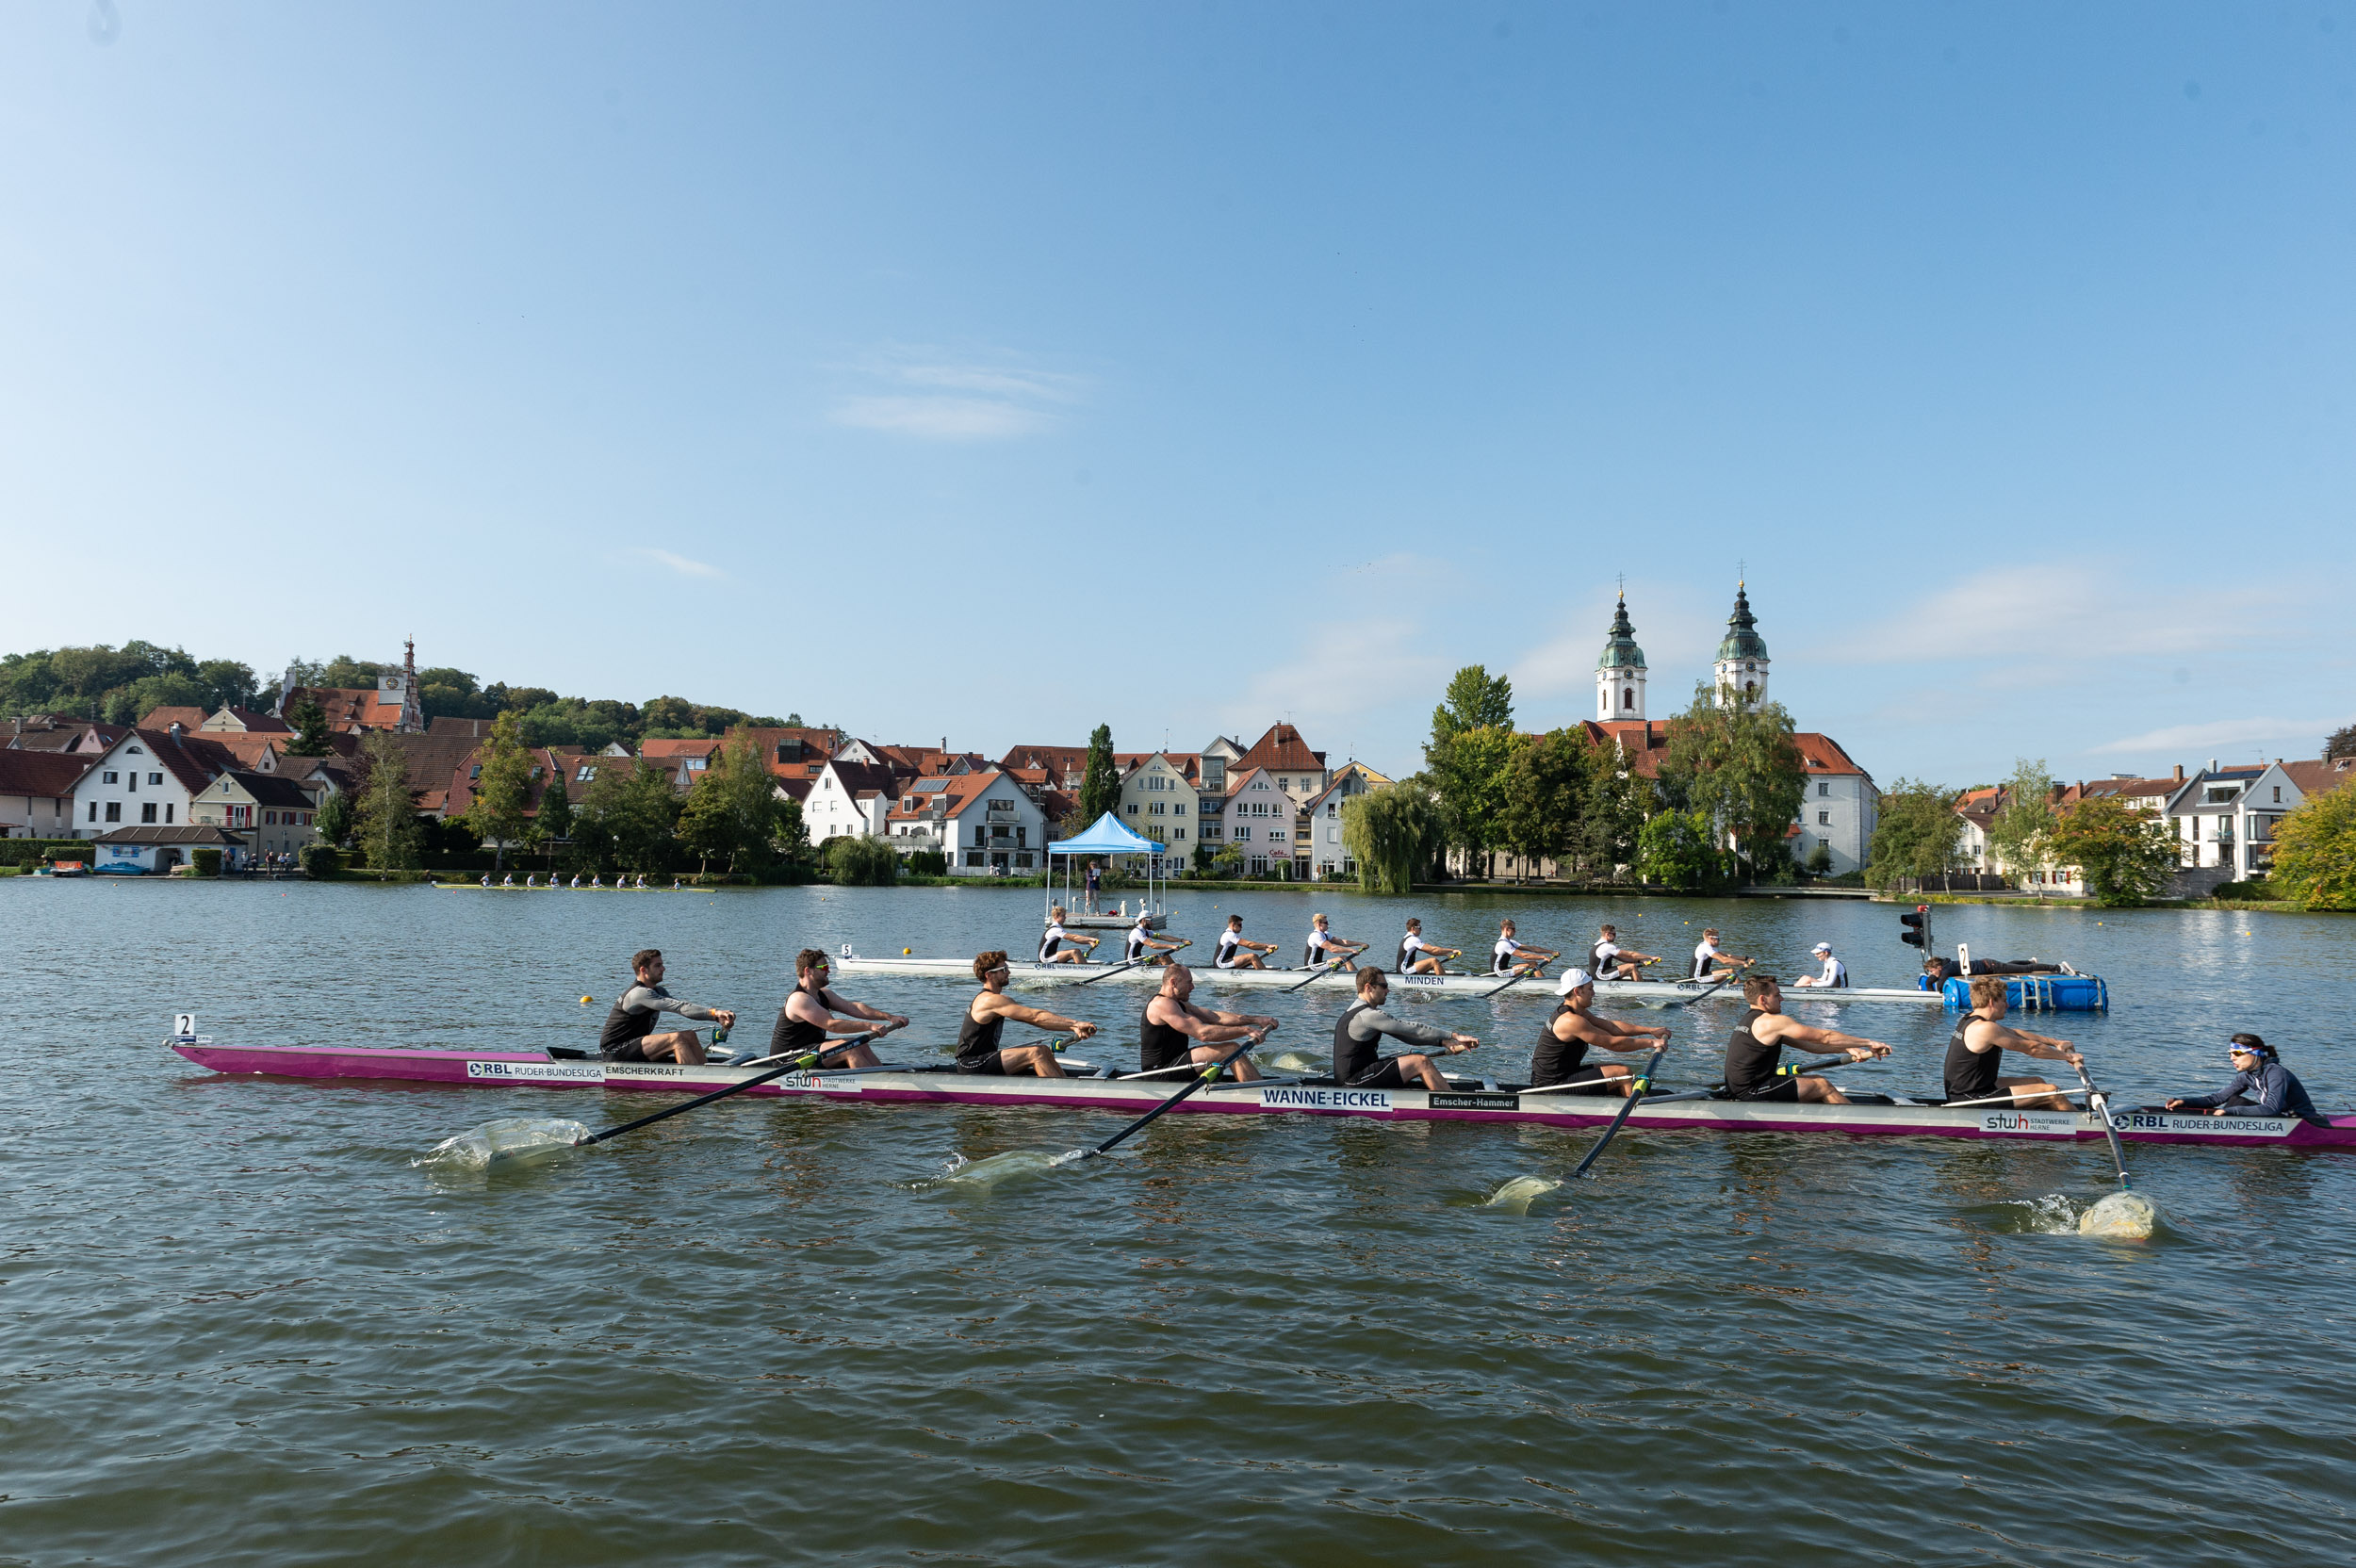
(961, 970)
(1467, 1099)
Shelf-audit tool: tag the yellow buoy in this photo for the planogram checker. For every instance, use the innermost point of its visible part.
(906, 950)
(585, 1001)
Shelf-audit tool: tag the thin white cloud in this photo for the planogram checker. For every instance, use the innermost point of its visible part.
(1344, 668)
(938, 396)
(680, 563)
(2049, 611)
(2300, 736)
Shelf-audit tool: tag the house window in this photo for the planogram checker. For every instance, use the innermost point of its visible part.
(1132, 807)
(147, 812)
(1628, 696)
(475, 772)
(158, 778)
(588, 771)
(2278, 795)
(114, 778)
(1824, 819)
(1243, 835)
(167, 813)
(93, 810)
(1822, 789)
(1333, 835)
(972, 856)
(114, 811)
(1177, 833)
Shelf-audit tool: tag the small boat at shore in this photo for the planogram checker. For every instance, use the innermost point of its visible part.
(961, 970)
(1467, 1099)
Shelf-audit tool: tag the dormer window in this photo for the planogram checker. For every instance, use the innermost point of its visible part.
(135, 751)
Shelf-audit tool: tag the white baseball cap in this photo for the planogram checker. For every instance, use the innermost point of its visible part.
(1822, 947)
(1572, 980)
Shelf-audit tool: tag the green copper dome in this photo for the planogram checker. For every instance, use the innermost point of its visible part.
(1743, 638)
(1621, 652)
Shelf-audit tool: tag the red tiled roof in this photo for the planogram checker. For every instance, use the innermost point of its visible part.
(49, 773)
(1282, 750)
(186, 762)
(164, 718)
(2320, 778)
(1644, 742)
(1821, 754)
(701, 745)
(815, 748)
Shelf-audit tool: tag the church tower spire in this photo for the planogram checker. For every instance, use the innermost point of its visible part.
(1620, 672)
(1742, 667)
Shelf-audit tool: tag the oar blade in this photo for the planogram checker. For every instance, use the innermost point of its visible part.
(498, 1145)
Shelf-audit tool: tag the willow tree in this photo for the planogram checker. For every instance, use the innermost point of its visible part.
(387, 807)
(1394, 831)
(2018, 833)
(502, 788)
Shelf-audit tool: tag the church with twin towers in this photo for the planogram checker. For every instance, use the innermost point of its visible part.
(1841, 805)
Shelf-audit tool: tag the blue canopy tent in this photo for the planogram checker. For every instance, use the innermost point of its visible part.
(1107, 835)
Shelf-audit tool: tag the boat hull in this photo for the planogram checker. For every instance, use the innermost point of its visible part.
(1473, 1101)
(1033, 974)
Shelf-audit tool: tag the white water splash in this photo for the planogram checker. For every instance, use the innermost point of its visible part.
(1298, 1061)
(2051, 1215)
(514, 1141)
(1014, 1165)
(1518, 1193)
(2129, 1216)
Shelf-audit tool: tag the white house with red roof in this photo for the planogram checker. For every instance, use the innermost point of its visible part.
(144, 780)
(985, 823)
(1840, 809)
(1262, 819)
(849, 799)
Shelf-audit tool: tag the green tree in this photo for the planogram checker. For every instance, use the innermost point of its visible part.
(554, 825)
(1820, 859)
(1618, 800)
(1680, 849)
(1742, 768)
(1548, 788)
(336, 818)
(734, 810)
(2339, 742)
(2125, 855)
(2017, 836)
(1100, 781)
(1394, 831)
(227, 684)
(853, 861)
(629, 815)
(1917, 834)
(310, 731)
(387, 807)
(1472, 770)
(502, 791)
(2315, 851)
(1475, 699)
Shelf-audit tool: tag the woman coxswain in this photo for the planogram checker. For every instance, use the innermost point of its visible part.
(2262, 1085)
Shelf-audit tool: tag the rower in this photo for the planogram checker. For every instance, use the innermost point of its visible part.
(1358, 1032)
(1710, 963)
(1563, 1039)
(2262, 1085)
(1170, 1022)
(1235, 953)
(812, 1012)
(978, 1051)
(1051, 948)
(487, 878)
(1836, 973)
(1757, 1045)
(1324, 948)
(1418, 957)
(1611, 961)
(1980, 1041)
(1510, 956)
(1143, 945)
(628, 1033)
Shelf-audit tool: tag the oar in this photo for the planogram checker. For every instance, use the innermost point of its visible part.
(1205, 1076)
(1521, 972)
(1324, 969)
(808, 1059)
(1183, 944)
(2100, 1103)
(1689, 1000)
(1637, 1086)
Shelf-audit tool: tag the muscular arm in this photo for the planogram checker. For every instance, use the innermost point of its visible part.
(640, 998)
(1199, 1023)
(1792, 1032)
(2003, 1039)
(1211, 1015)
(1364, 1026)
(1609, 1033)
(857, 1010)
(1037, 1018)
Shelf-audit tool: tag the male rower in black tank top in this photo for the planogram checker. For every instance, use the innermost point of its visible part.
(1757, 1047)
(986, 1016)
(1563, 1039)
(1174, 1030)
(812, 1012)
(630, 1036)
(1981, 1040)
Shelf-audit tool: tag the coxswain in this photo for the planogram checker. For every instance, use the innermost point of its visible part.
(1324, 949)
(1358, 1035)
(1611, 961)
(1563, 1039)
(1143, 946)
(1174, 1031)
(1051, 948)
(1510, 957)
(1835, 973)
(1418, 957)
(1756, 1048)
(1979, 1043)
(628, 1035)
(2262, 1085)
(812, 1012)
(1711, 964)
(978, 1051)
(1235, 953)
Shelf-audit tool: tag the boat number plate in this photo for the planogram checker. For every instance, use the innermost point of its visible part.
(539, 1072)
(2036, 1123)
(1292, 1098)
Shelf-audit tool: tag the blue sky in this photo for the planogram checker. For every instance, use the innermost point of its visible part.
(990, 371)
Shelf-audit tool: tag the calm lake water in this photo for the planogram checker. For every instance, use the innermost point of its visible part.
(241, 1327)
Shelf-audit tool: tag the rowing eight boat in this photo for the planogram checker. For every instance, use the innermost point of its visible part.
(1478, 1100)
(850, 965)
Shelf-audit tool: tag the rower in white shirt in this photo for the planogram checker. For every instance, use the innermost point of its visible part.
(1511, 957)
(1051, 948)
(1236, 952)
(1710, 963)
(1325, 948)
(1836, 973)
(1143, 946)
(1418, 957)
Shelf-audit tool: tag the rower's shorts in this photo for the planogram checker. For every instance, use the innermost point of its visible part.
(991, 1066)
(1384, 1076)
(1780, 1091)
(630, 1051)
